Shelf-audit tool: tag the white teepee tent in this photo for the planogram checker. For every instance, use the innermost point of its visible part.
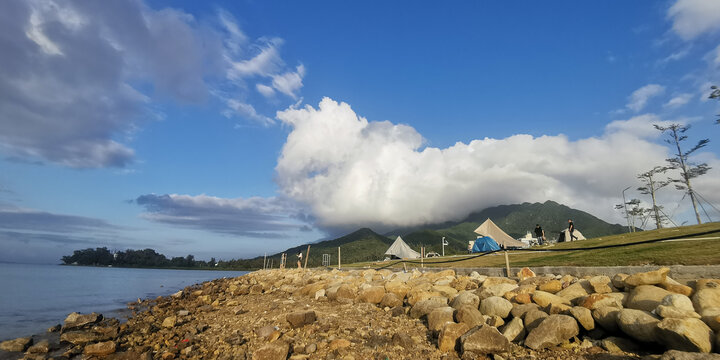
(401, 250)
(488, 228)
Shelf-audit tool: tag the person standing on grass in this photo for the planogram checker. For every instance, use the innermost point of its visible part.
(540, 234)
(299, 256)
(571, 230)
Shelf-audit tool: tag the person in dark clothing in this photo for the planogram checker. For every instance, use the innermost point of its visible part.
(539, 234)
(571, 230)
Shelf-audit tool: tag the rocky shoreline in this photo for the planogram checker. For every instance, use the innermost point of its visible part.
(368, 314)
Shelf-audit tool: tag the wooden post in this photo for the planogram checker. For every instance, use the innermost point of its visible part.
(264, 261)
(507, 263)
(338, 258)
(307, 256)
(422, 257)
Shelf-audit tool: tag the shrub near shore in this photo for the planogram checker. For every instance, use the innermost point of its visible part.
(368, 314)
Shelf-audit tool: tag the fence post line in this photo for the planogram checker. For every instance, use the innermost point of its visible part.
(507, 263)
(307, 256)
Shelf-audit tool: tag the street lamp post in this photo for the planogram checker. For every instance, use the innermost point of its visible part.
(627, 216)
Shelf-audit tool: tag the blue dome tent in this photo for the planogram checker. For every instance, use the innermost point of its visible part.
(485, 244)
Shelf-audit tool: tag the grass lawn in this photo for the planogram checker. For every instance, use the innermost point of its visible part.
(692, 252)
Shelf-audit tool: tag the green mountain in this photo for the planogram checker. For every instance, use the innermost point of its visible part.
(516, 220)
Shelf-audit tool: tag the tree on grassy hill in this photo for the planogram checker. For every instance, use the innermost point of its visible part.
(650, 186)
(680, 162)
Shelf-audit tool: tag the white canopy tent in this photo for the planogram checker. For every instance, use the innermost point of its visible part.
(401, 250)
(488, 228)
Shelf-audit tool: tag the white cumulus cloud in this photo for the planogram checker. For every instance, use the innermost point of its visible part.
(350, 171)
(691, 18)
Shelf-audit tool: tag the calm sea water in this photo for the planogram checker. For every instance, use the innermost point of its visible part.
(35, 297)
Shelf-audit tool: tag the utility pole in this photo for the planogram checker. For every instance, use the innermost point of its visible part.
(443, 246)
(627, 216)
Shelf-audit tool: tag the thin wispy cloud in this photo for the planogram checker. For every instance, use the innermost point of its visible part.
(252, 217)
(640, 97)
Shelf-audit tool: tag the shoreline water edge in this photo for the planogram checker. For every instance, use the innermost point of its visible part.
(386, 314)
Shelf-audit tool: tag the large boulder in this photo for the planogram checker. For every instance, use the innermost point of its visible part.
(424, 307)
(595, 301)
(470, 315)
(552, 331)
(100, 349)
(600, 284)
(583, 316)
(496, 289)
(495, 306)
(711, 316)
(676, 306)
(576, 290)
(618, 280)
(685, 334)
(675, 287)
(514, 330)
(638, 324)
(77, 320)
(276, 350)
(438, 317)
(552, 286)
(616, 344)
(19, 344)
(465, 298)
(449, 335)
(494, 280)
(606, 317)
(519, 310)
(647, 278)
(482, 340)
(544, 299)
(80, 337)
(646, 297)
(398, 288)
(533, 318)
(390, 300)
(301, 318)
(707, 296)
(372, 294)
(525, 273)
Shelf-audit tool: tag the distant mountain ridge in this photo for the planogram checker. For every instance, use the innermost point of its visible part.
(516, 220)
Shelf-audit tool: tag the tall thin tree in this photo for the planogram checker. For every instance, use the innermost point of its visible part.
(651, 185)
(715, 94)
(688, 171)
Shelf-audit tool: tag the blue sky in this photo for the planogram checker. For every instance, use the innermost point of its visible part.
(230, 129)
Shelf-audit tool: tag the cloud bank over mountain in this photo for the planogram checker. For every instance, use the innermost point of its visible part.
(350, 171)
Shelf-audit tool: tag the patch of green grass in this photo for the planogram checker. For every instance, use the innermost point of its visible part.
(692, 252)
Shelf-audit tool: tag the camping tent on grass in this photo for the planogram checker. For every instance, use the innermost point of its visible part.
(484, 244)
(565, 235)
(401, 250)
(488, 228)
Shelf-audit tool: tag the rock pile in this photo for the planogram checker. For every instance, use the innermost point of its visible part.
(368, 314)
